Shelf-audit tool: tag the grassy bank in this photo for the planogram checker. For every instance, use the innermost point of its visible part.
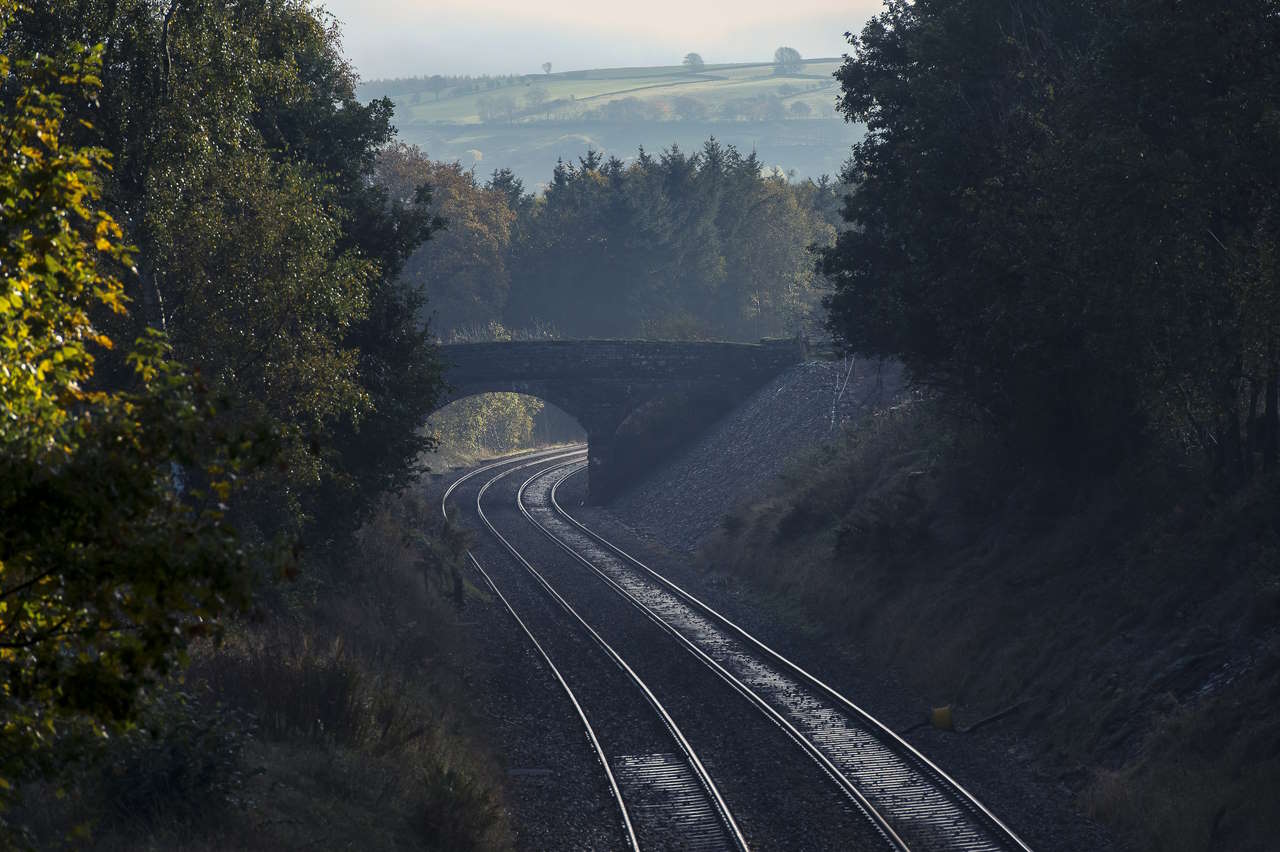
(1135, 615)
(333, 719)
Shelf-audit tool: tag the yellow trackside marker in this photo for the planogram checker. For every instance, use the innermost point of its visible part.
(940, 718)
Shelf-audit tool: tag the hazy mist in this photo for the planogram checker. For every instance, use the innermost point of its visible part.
(389, 38)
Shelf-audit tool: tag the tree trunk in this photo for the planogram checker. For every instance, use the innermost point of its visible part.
(1271, 417)
(1231, 446)
(1251, 427)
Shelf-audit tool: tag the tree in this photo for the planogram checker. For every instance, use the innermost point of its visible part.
(1063, 218)
(546, 68)
(115, 549)
(693, 62)
(787, 60)
(486, 424)
(800, 109)
(510, 187)
(496, 108)
(462, 271)
(689, 108)
(670, 246)
(537, 97)
(239, 116)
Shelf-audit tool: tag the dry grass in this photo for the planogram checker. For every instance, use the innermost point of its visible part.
(1136, 614)
(329, 722)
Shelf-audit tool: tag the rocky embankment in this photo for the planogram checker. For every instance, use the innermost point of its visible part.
(738, 457)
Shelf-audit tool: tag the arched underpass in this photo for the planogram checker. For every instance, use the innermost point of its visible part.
(636, 399)
(491, 424)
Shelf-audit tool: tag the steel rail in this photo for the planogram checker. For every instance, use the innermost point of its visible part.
(877, 820)
(695, 763)
(890, 738)
(629, 829)
(577, 449)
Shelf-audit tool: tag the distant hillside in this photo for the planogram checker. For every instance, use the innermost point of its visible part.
(526, 123)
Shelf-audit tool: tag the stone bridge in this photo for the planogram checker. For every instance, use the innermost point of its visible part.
(634, 398)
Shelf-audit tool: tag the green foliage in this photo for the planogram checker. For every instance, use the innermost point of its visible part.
(269, 322)
(244, 171)
(115, 548)
(674, 246)
(276, 340)
(787, 60)
(183, 763)
(491, 423)
(1065, 216)
(340, 721)
(462, 270)
(440, 103)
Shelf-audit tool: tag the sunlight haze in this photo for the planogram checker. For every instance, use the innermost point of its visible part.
(393, 38)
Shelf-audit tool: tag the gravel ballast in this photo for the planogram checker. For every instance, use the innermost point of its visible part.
(664, 518)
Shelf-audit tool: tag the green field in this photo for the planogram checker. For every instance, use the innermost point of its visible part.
(576, 93)
(526, 123)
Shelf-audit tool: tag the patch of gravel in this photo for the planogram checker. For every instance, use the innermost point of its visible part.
(738, 458)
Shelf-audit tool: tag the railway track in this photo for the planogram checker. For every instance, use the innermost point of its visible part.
(666, 798)
(906, 801)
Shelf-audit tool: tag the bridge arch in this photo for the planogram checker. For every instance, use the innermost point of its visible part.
(603, 382)
(483, 423)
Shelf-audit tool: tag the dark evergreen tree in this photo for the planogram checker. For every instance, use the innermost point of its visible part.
(1063, 215)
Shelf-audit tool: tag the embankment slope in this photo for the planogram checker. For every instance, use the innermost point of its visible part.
(1132, 620)
(741, 455)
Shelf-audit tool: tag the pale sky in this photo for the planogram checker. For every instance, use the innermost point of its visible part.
(402, 38)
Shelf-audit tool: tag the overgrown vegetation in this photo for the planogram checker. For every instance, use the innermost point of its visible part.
(1063, 224)
(199, 178)
(333, 718)
(1134, 616)
(1065, 215)
(114, 547)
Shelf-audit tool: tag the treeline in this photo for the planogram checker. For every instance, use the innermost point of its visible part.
(211, 369)
(537, 104)
(1066, 216)
(704, 245)
(767, 106)
(414, 89)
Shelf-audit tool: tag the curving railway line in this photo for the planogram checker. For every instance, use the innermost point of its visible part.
(707, 738)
